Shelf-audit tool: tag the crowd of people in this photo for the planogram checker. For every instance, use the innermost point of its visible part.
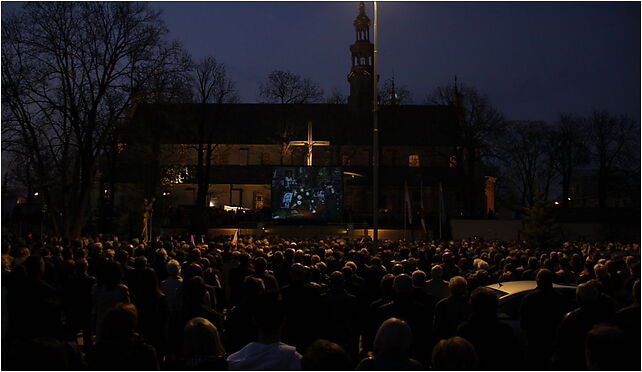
(275, 303)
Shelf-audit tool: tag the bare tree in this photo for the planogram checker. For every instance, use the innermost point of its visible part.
(525, 150)
(70, 72)
(212, 88)
(569, 150)
(285, 87)
(392, 94)
(480, 126)
(609, 138)
(337, 98)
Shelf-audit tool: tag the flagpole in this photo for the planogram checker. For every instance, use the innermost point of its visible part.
(405, 211)
(441, 199)
(375, 139)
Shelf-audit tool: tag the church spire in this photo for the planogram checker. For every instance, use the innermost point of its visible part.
(362, 50)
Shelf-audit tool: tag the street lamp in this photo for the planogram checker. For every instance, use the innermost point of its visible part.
(375, 138)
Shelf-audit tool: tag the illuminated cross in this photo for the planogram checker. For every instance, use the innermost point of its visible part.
(310, 144)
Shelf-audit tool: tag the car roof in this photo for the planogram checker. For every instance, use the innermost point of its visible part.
(514, 287)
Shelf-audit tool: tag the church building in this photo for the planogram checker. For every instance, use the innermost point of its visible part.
(420, 151)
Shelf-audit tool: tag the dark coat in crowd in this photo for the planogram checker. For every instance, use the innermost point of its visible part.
(339, 323)
(449, 314)
(541, 314)
(302, 302)
(495, 343)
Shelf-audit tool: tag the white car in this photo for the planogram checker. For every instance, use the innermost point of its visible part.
(511, 294)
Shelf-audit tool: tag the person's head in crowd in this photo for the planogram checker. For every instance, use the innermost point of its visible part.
(194, 255)
(454, 354)
(252, 288)
(323, 355)
(139, 250)
(160, 255)
(402, 285)
(23, 253)
(484, 303)
(192, 269)
(119, 322)
(533, 263)
(149, 283)
(35, 267)
(201, 339)
(244, 259)
(375, 262)
(81, 266)
(260, 265)
(418, 279)
(588, 294)
(336, 280)
(545, 279)
(6, 263)
(352, 266)
(111, 275)
(385, 284)
(397, 269)
(437, 272)
(288, 255)
(140, 263)
(122, 257)
(601, 273)
(347, 272)
(323, 267)
(173, 268)
(204, 262)
(393, 339)
(457, 286)
(193, 291)
(297, 273)
(96, 249)
(576, 262)
(605, 348)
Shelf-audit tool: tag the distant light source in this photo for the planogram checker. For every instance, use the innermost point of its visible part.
(569, 198)
(166, 193)
(212, 203)
(228, 208)
(35, 194)
(556, 203)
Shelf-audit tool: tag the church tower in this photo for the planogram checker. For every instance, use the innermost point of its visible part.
(362, 51)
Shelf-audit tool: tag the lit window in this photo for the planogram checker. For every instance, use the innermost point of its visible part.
(258, 200)
(413, 160)
(453, 161)
(345, 160)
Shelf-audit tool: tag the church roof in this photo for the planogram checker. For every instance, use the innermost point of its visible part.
(415, 125)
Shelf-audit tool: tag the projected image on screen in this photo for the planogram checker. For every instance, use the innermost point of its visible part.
(307, 193)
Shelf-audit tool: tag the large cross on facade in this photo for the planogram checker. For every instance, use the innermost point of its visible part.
(310, 144)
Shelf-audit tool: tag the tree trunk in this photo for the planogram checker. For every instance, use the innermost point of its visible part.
(602, 187)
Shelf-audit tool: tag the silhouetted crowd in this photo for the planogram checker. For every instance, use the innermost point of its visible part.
(180, 303)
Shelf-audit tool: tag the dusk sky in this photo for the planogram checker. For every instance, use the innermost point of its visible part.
(532, 59)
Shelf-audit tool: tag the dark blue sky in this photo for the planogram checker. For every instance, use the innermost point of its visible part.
(532, 59)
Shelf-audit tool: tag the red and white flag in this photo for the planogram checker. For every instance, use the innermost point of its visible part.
(235, 239)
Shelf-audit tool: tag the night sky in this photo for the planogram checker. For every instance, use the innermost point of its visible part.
(532, 59)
